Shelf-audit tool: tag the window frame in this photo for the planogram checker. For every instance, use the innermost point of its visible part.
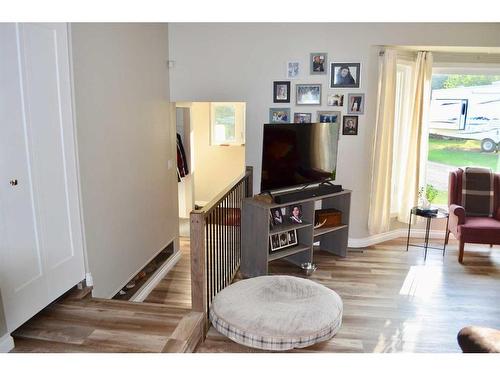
(461, 68)
(239, 123)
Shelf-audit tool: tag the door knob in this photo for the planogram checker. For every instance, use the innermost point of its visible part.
(13, 182)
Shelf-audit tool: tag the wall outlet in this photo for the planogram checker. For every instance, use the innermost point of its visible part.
(170, 163)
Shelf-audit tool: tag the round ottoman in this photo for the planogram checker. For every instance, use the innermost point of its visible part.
(277, 312)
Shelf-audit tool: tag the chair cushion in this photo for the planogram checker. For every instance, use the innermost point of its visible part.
(480, 230)
(277, 312)
(478, 191)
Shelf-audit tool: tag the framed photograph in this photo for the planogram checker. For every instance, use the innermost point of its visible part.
(356, 104)
(318, 61)
(294, 214)
(271, 221)
(329, 116)
(335, 100)
(281, 91)
(344, 75)
(302, 118)
(274, 241)
(283, 239)
(350, 125)
(279, 115)
(292, 237)
(308, 94)
(292, 69)
(277, 216)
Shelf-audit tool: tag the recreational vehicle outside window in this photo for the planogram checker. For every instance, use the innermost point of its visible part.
(464, 123)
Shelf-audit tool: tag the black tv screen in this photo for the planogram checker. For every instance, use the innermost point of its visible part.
(298, 154)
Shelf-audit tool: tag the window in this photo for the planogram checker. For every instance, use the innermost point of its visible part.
(227, 124)
(464, 124)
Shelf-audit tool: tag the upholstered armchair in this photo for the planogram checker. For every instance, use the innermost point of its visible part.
(465, 227)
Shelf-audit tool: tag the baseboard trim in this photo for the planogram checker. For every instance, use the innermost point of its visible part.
(155, 279)
(393, 234)
(6, 343)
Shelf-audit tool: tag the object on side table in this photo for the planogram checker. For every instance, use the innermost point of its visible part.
(331, 217)
(426, 211)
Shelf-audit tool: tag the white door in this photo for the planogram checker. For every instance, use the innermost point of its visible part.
(41, 251)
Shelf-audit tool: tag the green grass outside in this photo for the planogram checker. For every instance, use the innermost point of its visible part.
(442, 198)
(460, 153)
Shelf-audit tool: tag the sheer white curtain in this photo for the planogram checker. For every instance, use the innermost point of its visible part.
(400, 142)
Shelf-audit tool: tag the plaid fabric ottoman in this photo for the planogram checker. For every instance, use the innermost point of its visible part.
(277, 312)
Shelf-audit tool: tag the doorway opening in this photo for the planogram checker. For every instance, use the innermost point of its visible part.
(210, 152)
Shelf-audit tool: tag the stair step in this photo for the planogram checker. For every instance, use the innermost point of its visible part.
(187, 335)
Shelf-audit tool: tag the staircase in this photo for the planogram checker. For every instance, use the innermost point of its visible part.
(79, 323)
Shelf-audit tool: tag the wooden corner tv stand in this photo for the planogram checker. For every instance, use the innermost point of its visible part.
(256, 232)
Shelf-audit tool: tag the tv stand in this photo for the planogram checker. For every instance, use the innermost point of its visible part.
(256, 232)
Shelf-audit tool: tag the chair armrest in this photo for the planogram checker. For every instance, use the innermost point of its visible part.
(458, 212)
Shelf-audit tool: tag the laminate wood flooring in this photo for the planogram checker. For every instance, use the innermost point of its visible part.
(396, 302)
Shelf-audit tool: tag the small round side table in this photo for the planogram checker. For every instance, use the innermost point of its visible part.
(429, 215)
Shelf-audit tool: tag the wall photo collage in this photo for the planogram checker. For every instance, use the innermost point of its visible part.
(342, 75)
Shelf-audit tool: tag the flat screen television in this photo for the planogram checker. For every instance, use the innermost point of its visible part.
(298, 154)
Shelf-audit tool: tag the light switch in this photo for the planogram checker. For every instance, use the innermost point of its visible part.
(170, 164)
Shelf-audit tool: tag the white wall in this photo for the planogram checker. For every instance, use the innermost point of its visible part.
(124, 139)
(239, 62)
(214, 167)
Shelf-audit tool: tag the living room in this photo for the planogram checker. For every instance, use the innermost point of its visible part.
(395, 121)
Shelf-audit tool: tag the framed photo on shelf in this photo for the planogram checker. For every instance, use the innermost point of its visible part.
(308, 94)
(329, 116)
(283, 239)
(274, 242)
(302, 118)
(294, 214)
(344, 74)
(356, 104)
(350, 125)
(279, 115)
(281, 92)
(292, 69)
(335, 100)
(318, 61)
(277, 216)
(292, 237)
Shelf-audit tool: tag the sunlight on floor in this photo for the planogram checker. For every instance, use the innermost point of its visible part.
(422, 281)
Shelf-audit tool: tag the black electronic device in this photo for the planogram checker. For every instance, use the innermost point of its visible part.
(298, 155)
(302, 194)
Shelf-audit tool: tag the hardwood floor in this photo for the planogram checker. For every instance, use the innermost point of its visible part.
(394, 302)
(79, 323)
(175, 288)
